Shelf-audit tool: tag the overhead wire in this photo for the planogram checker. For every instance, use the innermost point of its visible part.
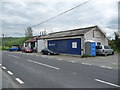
(60, 14)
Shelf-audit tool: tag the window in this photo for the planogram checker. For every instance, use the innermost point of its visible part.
(98, 43)
(98, 47)
(106, 47)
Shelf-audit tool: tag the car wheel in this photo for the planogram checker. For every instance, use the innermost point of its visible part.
(112, 53)
(105, 54)
(48, 53)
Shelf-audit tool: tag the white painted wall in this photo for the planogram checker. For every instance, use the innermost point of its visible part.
(98, 38)
(41, 44)
(29, 44)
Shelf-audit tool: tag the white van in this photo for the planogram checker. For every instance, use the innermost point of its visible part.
(104, 50)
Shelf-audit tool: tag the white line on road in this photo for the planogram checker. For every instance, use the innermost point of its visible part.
(4, 67)
(107, 83)
(44, 64)
(60, 59)
(9, 72)
(102, 66)
(109, 67)
(106, 67)
(74, 73)
(86, 64)
(113, 63)
(15, 56)
(71, 61)
(0, 64)
(20, 81)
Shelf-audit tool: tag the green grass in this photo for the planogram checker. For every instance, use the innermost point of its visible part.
(8, 42)
(4, 47)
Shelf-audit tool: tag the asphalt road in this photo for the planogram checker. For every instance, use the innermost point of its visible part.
(29, 71)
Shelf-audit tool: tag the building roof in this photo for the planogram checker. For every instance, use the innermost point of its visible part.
(70, 33)
(32, 39)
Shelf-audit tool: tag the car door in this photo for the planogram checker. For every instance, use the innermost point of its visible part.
(107, 49)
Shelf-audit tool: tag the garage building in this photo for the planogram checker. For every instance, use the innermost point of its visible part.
(73, 41)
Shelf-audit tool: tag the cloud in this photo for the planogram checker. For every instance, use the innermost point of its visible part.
(18, 15)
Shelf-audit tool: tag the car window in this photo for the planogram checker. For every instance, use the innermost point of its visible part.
(106, 47)
(98, 47)
(110, 47)
(27, 48)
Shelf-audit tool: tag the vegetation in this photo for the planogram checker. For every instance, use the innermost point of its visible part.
(115, 44)
(29, 32)
(7, 42)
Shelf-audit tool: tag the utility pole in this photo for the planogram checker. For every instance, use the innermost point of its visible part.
(3, 35)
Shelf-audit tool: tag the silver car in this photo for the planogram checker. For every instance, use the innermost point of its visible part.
(104, 50)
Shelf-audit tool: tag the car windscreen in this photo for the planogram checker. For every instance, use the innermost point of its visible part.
(14, 47)
(98, 47)
(106, 47)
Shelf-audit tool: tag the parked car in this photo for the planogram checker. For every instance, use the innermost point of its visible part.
(14, 48)
(27, 50)
(104, 50)
(48, 52)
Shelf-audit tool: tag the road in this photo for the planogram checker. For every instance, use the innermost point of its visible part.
(30, 71)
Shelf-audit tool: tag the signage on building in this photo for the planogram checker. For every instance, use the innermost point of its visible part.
(74, 44)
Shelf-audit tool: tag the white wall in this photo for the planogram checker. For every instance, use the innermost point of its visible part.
(41, 44)
(98, 37)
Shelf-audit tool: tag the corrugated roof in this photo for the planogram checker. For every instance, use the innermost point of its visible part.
(69, 33)
(31, 40)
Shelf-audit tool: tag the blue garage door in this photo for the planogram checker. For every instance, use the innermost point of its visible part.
(67, 46)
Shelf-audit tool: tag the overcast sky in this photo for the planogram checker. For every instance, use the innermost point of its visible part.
(17, 15)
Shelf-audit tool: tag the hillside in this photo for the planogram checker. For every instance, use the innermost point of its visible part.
(9, 41)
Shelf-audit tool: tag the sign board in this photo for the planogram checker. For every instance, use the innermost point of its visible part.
(74, 44)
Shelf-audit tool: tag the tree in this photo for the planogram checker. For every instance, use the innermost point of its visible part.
(29, 32)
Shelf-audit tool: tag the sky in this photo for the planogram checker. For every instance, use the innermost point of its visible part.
(17, 15)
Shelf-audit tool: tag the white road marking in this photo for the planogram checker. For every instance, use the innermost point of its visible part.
(83, 63)
(107, 83)
(9, 72)
(106, 67)
(60, 59)
(109, 67)
(74, 73)
(20, 81)
(102, 66)
(4, 67)
(86, 64)
(44, 64)
(71, 61)
(15, 56)
(89, 64)
(0, 64)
